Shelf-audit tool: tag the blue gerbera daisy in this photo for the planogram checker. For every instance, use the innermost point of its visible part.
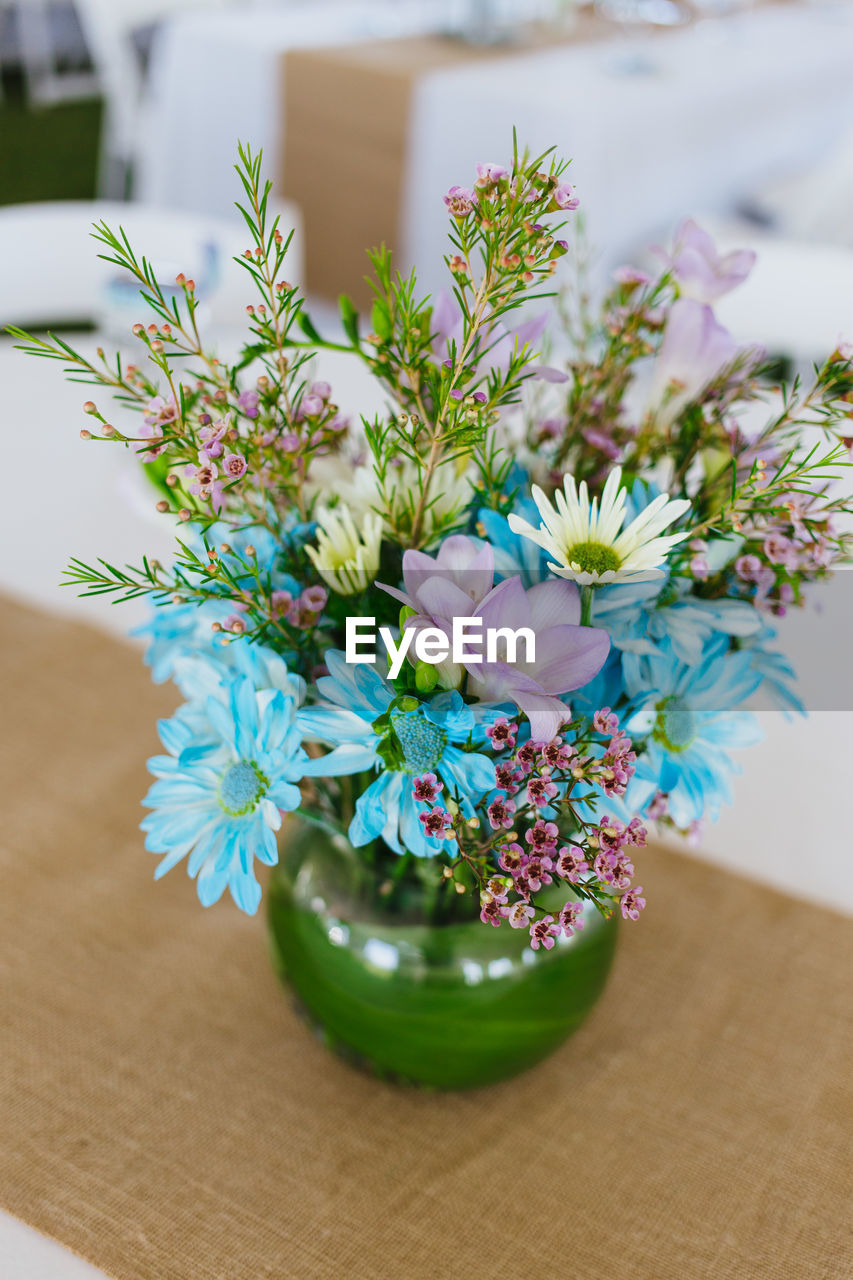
(234, 758)
(399, 738)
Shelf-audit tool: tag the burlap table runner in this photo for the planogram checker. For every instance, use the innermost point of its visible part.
(346, 135)
(164, 1113)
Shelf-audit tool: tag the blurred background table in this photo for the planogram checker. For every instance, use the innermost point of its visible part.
(682, 134)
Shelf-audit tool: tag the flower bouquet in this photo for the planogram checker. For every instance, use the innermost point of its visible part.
(474, 643)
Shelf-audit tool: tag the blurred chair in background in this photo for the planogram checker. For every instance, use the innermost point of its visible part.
(56, 277)
(92, 49)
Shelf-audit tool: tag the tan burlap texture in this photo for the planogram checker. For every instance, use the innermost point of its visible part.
(164, 1113)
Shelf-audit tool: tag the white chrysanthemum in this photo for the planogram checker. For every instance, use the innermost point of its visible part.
(588, 542)
(347, 557)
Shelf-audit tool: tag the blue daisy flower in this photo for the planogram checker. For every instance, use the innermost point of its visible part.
(689, 717)
(177, 632)
(515, 555)
(639, 616)
(399, 738)
(232, 764)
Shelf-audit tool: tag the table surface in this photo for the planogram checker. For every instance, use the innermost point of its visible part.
(165, 1111)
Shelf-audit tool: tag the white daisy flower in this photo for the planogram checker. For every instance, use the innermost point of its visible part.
(347, 557)
(590, 545)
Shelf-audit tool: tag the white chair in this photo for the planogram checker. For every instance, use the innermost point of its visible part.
(52, 273)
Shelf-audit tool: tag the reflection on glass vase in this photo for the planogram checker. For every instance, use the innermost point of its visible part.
(403, 979)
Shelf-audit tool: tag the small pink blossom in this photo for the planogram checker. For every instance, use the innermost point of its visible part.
(571, 918)
(502, 734)
(519, 915)
(427, 787)
(501, 814)
(437, 824)
(564, 197)
(605, 721)
(537, 870)
(311, 406)
(460, 201)
(632, 903)
(248, 402)
(234, 465)
(211, 437)
(543, 933)
(492, 911)
(511, 858)
(542, 836)
(571, 863)
(489, 175)
(541, 791)
(507, 778)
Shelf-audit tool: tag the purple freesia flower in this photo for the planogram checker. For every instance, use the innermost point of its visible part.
(695, 350)
(500, 345)
(567, 654)
(700, 271)
(443, 587)
(448, 585)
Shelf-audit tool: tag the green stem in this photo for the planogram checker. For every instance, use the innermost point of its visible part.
(586, 606)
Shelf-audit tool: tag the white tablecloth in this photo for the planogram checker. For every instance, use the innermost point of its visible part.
(215, 79)
(730, 104)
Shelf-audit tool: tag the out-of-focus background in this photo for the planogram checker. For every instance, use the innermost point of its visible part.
(740, 114)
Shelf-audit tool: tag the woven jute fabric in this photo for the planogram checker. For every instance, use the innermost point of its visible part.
(165, 1113)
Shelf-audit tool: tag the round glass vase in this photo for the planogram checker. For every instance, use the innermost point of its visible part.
(414, 994)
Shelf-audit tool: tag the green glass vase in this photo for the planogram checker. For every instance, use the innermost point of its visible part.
(415, 995)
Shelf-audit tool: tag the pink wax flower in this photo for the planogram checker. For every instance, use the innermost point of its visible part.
(248, 401)
(211, 437)
(543, 933)
(519, 915)
(437, 824)
(311, 406)
(605, 721)
(489, 175)
(501, 814)
(557, 754)
(700, 271)
(541, 791)
(536, 869)
(780, 550)
(632, 903)
(234, 466)
(151, 431)
(321, 389)
(502, 734)
(542, 836)
(507, 778)
(492, 911)
(427, 787)
(571, 863)
(460, 202)
(281, 602)
(571, 918)
(511, 858)
(564, 197)
(631, 277)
